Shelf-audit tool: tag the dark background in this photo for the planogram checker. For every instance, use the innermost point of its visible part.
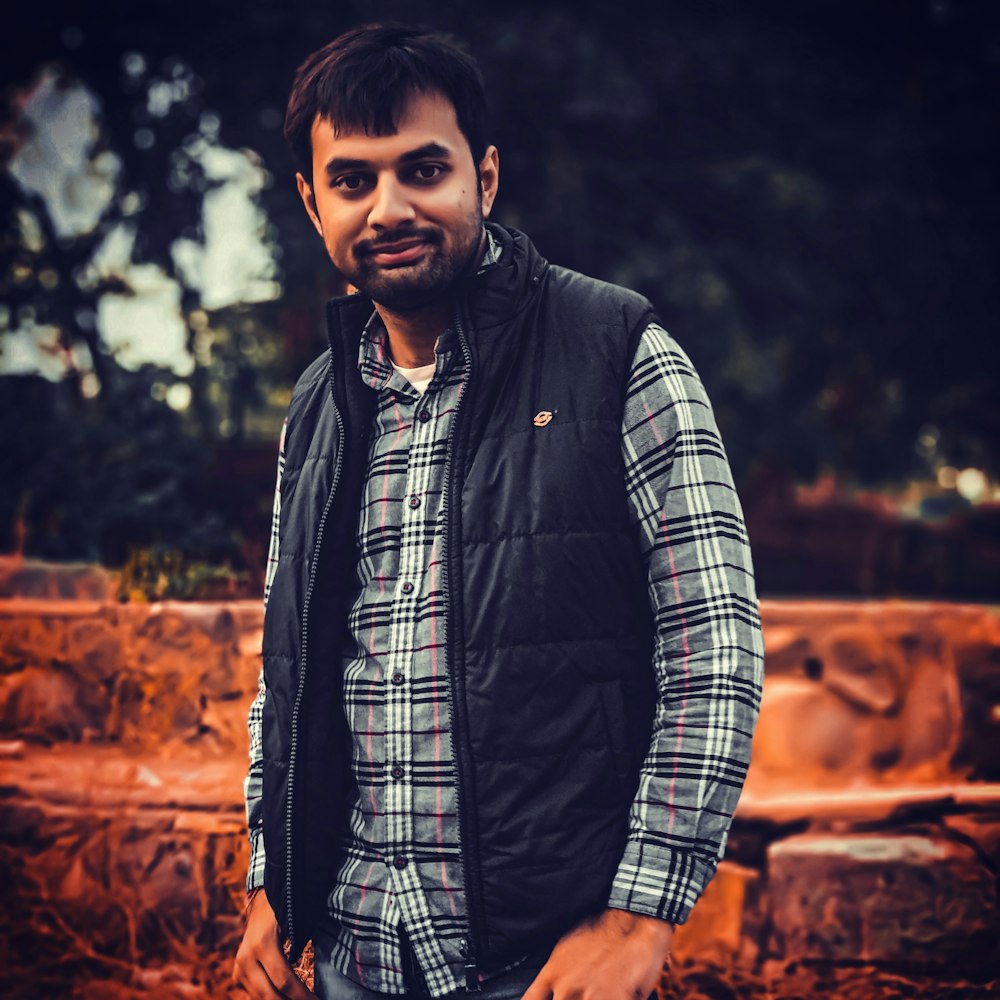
(807, 191)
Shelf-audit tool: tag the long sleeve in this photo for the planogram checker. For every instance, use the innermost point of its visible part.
(708, 654)
(253, 785)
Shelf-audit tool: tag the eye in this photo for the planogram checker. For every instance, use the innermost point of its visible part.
(349, 182)
(427, 171)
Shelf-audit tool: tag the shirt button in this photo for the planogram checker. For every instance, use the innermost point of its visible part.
(413, 503)
(399, 861)
(407, 587)
(397, 771)
(423, 416)
(397, 678)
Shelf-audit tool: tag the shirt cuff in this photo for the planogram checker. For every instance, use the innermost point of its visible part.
(659, 882)
(255, 872)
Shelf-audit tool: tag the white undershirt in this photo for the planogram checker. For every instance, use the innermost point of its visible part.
(419, 378)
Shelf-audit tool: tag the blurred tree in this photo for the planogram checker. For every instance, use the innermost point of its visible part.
(133, 298)
(808, 192)
(93, 482)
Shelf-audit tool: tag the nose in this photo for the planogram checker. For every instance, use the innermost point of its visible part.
(391, 205)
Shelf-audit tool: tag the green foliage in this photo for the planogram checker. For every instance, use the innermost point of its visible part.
(162, 573)
(95, 478)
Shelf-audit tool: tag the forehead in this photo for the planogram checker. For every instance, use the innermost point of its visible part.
(425, 118)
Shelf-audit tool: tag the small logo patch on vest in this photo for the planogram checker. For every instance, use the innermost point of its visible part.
(543, 418)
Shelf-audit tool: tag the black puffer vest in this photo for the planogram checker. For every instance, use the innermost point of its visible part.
(550, 634)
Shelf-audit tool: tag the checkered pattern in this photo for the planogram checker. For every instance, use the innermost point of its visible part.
(396, 695)
(709, 653)
(708, 665)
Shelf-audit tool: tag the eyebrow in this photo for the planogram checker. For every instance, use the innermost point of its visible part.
(341, 163)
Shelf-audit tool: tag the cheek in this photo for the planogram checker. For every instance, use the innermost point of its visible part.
(337, 231)
(454, 211)
(338, 248)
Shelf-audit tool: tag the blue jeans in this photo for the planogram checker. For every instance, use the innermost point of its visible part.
(329, 984)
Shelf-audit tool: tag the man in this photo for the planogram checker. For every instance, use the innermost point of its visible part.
(512, 653)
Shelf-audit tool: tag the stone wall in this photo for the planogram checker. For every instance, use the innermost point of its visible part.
(123, 754)
(863, 861)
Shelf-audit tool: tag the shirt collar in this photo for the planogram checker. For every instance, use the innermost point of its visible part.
(492, 253)
(373, 355)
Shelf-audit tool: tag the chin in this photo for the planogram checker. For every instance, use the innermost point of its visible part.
(401, 299)
(397, 290)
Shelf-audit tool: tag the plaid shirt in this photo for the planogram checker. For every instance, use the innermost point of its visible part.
(708, 664)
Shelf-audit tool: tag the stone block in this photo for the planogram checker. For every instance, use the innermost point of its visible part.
(57, 662)
(117, 874)
(911, 898)
(30, 636)
(977, 656)
(51, 704)
(945, 658)
(34, 578)
(872, 702)
(139, 675)
(801, 980)
(725, 925)
(189, 676)
(93, 646)
(981, 830)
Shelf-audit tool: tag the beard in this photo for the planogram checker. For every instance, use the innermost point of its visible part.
(414, 286)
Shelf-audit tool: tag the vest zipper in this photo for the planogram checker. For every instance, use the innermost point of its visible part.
(300, 688)
(458, 714)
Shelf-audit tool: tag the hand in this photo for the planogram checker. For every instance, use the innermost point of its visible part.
(616, 956)
(260, 968)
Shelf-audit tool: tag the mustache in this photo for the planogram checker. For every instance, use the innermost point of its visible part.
(366, 247)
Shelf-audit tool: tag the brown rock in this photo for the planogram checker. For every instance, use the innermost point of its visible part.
(875, 702)
(724, 925)
(863, 668)
(981, 830)
(916, 899)
(31, 636)
(800, 736)
(128, 869)
(866, 806)
(46, 705)
(789, 647)
(867, 982)
(188, 678)
(977, 654)
(120, 865)
(34, 578)
(94, 645)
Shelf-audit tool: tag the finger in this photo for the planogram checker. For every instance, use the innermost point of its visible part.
(285, 982)
(262, 959)
(254, 981)
(539, 988)
(265, 975)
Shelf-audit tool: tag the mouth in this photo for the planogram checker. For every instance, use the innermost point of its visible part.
(401, 252)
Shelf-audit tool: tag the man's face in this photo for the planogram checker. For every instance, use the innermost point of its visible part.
(401, 215)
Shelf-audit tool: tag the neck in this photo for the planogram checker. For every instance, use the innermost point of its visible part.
(412, 335)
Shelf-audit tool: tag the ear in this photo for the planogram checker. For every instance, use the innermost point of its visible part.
(309, 200)
(489, 179)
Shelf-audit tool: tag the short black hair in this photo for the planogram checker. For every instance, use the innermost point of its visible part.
(364, 78)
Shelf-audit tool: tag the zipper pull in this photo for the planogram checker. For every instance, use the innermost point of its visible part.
(472, 984)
